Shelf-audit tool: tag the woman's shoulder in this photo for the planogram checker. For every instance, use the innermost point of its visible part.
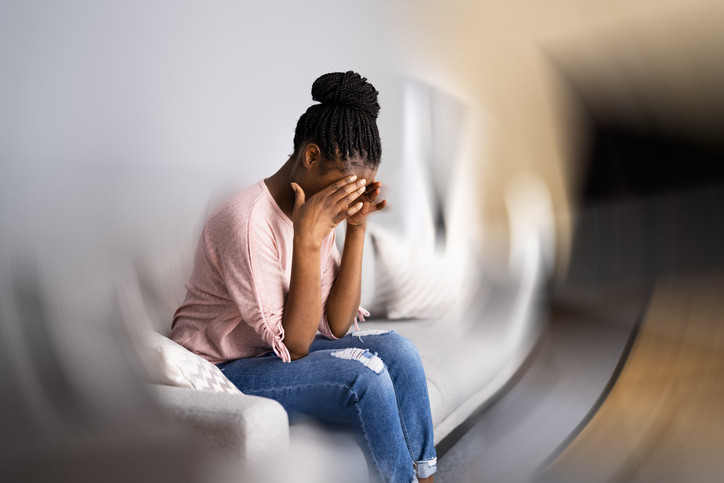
(244, 211)
(239, 205)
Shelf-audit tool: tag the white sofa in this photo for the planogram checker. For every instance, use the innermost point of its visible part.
(467, 362)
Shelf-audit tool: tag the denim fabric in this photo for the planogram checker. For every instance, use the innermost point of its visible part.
(371, 381)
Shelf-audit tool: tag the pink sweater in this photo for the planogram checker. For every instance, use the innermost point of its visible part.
(238, 288)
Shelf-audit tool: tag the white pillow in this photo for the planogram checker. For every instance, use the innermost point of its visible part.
(415, 283)
(176, 366)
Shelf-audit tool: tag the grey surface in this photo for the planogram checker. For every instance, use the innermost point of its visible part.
(514, 437)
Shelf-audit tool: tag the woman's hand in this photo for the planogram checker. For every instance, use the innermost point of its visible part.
(368, 205)
(316, 217)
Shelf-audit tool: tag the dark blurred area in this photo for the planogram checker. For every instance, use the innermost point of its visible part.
(651, 205)
(648, 234)
(648, 184)
(630, 162)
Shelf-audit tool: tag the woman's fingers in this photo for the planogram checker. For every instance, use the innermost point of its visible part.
(378, 206)
(341, 183)
(343, 193)
(372, 191)
(350, 211)
(349, 197)
(353, 209)
(349, 192)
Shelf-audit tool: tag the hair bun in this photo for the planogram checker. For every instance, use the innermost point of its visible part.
(346, 88)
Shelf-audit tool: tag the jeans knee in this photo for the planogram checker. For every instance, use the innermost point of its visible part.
(387, 338)
(402, 346)
(404, 343)
(363, 356)
(366, 372)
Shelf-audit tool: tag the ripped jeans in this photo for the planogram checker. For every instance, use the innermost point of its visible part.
(372, 381)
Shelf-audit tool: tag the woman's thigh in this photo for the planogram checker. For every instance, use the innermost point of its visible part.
(325, 384)
(402, 362)
(395, 350)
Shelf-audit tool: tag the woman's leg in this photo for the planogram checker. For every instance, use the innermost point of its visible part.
(335, 386)
(408, 377)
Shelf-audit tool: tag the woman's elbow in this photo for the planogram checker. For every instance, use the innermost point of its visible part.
(297, 350)
(295, 355)
(338, 333)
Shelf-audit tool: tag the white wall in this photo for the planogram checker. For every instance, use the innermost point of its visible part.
(122, 122)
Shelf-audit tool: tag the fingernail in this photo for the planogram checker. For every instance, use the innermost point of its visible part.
(362, 181)
(352, 178)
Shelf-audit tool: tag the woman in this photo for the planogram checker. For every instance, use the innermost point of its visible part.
(267, 276)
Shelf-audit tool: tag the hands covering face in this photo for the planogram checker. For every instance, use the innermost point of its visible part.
(346, 198)
(369, 204)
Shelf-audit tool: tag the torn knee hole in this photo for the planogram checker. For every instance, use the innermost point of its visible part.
(360, 333)
(368, 359)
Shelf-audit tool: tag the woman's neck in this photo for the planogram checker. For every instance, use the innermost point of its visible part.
(279, 185)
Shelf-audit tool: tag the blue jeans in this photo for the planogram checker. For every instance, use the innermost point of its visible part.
(372, 381)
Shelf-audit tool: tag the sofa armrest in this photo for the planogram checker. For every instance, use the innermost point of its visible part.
(246, 426)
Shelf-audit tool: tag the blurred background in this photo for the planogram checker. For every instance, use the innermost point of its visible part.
(589, 131)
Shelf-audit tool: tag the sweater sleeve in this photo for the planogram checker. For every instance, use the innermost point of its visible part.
(249, 262)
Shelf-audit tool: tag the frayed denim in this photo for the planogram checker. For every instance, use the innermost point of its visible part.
(372, 381)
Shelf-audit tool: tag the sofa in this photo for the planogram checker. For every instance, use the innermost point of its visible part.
(469, 354)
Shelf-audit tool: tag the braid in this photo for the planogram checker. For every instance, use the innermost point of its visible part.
(344, 124)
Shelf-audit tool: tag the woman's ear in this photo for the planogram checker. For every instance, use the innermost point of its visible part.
(312, 156)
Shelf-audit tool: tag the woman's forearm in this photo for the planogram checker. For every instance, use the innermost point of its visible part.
(313, 220)
(303, 307)
(344, 297)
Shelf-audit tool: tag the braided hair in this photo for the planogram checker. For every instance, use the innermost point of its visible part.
(344, 124)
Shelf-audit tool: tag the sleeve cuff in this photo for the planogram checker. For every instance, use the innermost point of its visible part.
(361, 314)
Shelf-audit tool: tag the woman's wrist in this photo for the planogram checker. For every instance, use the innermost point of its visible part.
(360, 227)
(307, 243)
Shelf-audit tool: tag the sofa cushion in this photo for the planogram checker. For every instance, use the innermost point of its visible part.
(174, 365)
(415, 283)
(464, 367)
